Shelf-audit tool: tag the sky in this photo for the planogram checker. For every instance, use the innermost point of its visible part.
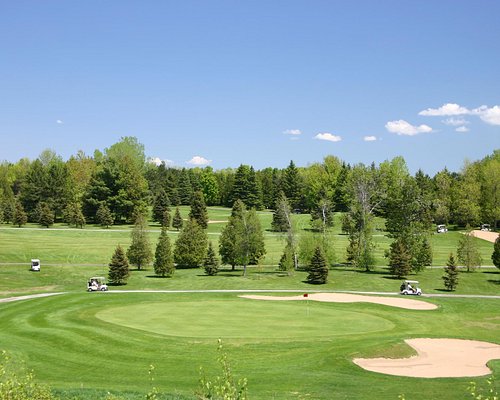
(258, 82)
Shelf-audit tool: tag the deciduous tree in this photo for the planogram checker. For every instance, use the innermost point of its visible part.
(495, 257)
(467, 251)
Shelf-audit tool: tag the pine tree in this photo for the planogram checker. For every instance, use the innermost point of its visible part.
(399, 259)
(423, 256)
(73, 215)
(191, 245)
(199, 210)
(287, 260)
(177, 221)
(118, 267)
(467, 251)
(211, 263)
(46, 215)
(281, 215)
(450, 276)
(164, 259)
(166, 220)
(139, 253)
(495, 257)
(20, 217)
(103, 215)
(160, 205)
(318, 269)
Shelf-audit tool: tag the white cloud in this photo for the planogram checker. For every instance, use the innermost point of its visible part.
(489, 115)
(455, 121)
(199, 161)
(401, 127)
(445, 110)
(157, 161)
(293, 132)
(462, 129)
(370, 138)
(328, 136)
(59, 122)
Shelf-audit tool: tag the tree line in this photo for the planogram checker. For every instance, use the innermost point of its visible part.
(110, 186)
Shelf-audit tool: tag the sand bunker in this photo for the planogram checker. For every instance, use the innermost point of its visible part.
(489, 236)
(438, 358)
(400, 302)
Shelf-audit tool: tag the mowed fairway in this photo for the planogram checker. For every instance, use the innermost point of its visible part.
(86, 344)
(287, 350)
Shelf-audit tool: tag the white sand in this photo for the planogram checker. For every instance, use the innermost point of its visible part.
(438, 358)
(400, 302)
(489, 236)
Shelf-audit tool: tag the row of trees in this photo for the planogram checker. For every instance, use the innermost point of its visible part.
(121, 179)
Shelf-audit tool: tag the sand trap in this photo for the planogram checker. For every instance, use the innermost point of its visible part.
(400, 302)
(489, 236)
(438, 358)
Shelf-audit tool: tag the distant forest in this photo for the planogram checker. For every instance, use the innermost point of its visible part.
(121, 179)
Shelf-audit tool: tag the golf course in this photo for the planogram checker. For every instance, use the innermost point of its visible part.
(92, 345)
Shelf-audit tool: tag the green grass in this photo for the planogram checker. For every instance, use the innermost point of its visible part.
(85, 344)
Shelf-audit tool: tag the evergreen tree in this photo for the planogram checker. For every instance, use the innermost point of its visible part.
(198, 210)
(467, 251)
(281, 215)
(164, 259)
(450, 276)
(495, 257)
(160, 205)
(73, 215)
(191, 245)
(399, 259)
(287, 260)
(292, 185)
(139, 253)
(211, 263)
(318, 268)
(177, 221)
(166, 220)
(103, 215)
(423, 257)
(185, 187)
(46, 215)
(20, 217)
(118, 267)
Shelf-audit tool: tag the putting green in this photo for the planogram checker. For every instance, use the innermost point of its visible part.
(243, 319)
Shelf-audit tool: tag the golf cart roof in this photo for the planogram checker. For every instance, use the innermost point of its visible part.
(411, 281)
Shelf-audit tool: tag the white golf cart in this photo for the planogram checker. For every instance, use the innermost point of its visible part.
(441, 229)
(410, 288)
(486, 227)
(96, 284)
(35, 265)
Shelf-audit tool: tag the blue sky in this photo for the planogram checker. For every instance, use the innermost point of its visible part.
(255, 82)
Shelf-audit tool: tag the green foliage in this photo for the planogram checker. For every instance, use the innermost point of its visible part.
(177, 221)
(210, 186)
(18, 384)
(73, 215)
(308, 242)
(450, 276)
(20, 217)
(198, 210)
(281, 215)
(322, 215)
(45, 215)
(488, 393)
(495, 257)
(139, 253)
(166, 220)
(191, 245)
(246, 187)
(399, 259)
(287, 260)
(164, 259)
(103, 216)
(118, 267)
(318, 268)
(224, 386)
(211, 263)
(161, 204)
(467, 251)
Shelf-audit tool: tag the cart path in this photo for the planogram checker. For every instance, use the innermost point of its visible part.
(40, 295)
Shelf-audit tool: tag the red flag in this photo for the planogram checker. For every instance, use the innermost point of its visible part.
(306, 295)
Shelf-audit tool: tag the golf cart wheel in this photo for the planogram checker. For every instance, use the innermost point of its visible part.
(419, 294)
(89, 289)
(103, 289)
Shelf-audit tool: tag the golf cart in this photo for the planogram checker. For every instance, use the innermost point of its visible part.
(441, 229)
(97, 283)
(35, 265)
(410, 288)
(486, 227)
